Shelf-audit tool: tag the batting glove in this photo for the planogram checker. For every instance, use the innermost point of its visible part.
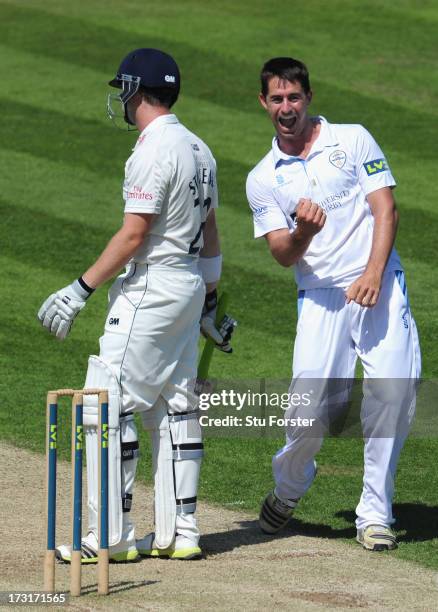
(60, 309)
(221, 333)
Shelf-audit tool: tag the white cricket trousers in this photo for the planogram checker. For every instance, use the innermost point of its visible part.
(151, 342)
(151, 334)
(331, 334)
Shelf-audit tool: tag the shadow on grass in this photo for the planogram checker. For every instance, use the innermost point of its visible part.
(418, 521)
(249, 533)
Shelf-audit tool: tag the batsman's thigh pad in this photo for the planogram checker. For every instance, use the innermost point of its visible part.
(122, 441)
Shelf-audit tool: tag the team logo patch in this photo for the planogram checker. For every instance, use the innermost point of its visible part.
(280, 179)
(338, 158)
(375, 166)
(260, 211)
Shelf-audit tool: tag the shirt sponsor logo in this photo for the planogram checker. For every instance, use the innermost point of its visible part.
(260, 211)
(138, 194)
(336, 200)
(169, 78)
(195, 147)
(375, 166)
(338, 158)
(114, 321)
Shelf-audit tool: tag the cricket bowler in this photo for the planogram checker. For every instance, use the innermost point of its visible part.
(148, 352)
(323, 199)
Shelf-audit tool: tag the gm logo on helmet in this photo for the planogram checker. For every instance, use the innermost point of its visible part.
(169, 78)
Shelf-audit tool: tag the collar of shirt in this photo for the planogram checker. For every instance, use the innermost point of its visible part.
(156, 124)
(325, 139)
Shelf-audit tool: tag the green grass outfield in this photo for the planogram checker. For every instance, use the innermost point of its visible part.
(60, 197)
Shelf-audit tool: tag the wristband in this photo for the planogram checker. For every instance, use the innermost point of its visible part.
(210, 268)
(84, 290)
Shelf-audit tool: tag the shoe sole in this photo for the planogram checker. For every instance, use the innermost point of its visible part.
(187, 554)
(377, 547)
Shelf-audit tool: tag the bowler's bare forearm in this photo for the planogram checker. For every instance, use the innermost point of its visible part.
(365, 290)
(288, 248)
(385, 228)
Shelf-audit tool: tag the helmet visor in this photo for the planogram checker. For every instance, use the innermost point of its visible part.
(129, 85)
(116, 103)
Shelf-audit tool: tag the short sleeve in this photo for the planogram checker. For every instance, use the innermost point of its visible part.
(372, 167)
(267, 215)
(147, 176)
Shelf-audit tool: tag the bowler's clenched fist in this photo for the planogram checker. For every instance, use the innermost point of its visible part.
(310, 217)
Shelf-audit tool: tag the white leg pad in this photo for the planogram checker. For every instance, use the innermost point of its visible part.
(188, 451)
(100, 375)
(177, 454)
(156, 421)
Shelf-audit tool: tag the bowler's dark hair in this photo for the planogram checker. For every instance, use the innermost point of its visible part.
(287, 69)
(159, 96)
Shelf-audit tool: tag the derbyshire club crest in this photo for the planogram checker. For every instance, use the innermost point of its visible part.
(338, 158)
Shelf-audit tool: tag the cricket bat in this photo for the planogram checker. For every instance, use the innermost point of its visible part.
(207, 353)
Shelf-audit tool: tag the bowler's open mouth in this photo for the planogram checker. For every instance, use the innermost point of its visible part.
(288, 122)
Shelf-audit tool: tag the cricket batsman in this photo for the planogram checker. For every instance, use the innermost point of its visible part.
(148, 352)
(323, 199)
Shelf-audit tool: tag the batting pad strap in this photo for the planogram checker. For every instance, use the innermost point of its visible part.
(210, 268)
(184, 416)
(127, 502)
(193, 450)
(186, 506)
(130, 450)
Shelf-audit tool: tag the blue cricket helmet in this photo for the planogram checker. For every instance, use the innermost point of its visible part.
(150, 68)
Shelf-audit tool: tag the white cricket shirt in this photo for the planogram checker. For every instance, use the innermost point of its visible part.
(172, 174)
(344, 165)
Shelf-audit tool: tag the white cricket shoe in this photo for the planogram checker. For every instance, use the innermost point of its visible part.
(124, 552)
(377, 538)
(182, 548)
